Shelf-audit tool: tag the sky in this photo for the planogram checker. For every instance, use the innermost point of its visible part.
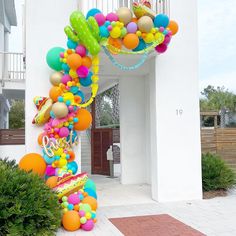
(217, 42)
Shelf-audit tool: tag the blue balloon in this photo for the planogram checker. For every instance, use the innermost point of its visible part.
(73, 167)
(48, 160)
(161, 20)
(71, 44)
(74, 89)
(81, 94)
(70, 207)
(86, 81)
(74, 135)
(90, 184)
(107, 23)
(91, 192)
(104, 32)
(141, 46)
(65, 67)
(92, 12)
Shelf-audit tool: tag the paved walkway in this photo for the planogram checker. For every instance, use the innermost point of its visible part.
(215, 217)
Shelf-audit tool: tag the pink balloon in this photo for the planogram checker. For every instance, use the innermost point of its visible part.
(65, 78)
(82, 71)
(109, 27)
(64, 132)
(161, 48)
(81, 50)
(88, 225)
(81, 213)
(50, 171)
(100, 18)
(167, 39)
(74, 199)
(112, 17)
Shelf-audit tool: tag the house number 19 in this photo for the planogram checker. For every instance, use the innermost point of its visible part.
(179, 112)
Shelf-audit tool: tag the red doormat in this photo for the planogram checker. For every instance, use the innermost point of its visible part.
(153, 225)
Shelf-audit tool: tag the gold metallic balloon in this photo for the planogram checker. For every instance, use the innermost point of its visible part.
(145, 24)
(55, 78)
(60, 109)
(124, 14)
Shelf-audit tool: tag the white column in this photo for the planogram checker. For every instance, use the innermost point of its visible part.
(45, 22)
(175, 119)
(132, 130)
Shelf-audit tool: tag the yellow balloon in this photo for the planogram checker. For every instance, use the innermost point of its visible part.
(73, 74)
(149, 38)
(116, 32)
(62, 162)
(58, 152)
(160, 37)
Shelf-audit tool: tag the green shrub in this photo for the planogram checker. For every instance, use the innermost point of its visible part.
(216, 175)
(27, 205)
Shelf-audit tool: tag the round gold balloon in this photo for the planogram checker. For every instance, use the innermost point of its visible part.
(60, 110)
(124, 14)
(55, 78)
(145, 24)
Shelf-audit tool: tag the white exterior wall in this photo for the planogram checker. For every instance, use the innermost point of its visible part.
(132, 130)
(176, 152)
(13, 152)
(1, 50)
(44, 30)
(157, 146)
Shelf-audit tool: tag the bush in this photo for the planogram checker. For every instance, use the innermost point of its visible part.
(17, 114)
(27, 205)
(216, 175)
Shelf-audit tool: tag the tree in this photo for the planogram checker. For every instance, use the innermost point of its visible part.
(217, 98)
(17, 114)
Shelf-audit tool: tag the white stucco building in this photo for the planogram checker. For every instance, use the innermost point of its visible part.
(159, 122)
(159, 110)
(7, 19)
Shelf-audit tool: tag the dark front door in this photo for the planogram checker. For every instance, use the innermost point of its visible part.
(101, 140)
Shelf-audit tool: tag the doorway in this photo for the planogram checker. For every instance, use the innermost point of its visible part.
(105, 133)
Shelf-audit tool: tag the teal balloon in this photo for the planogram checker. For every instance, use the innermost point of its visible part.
(141, 46)
(90, 184)
(53, 58)
(91, 192)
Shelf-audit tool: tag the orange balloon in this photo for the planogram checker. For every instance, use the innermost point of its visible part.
(54, 93)
(173, 27)
(74, 61)
(52, 182)
(40, 139)
(86, 61)
(76, 207)
(34, 162)
(72, 156)
(91, 201)
(117, 43)
(71, 220)
(135, 20)
(85, 119)
(131, 41)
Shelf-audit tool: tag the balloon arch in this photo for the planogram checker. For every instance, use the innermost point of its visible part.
(63, 113)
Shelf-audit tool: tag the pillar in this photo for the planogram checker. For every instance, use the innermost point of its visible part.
(175, 115)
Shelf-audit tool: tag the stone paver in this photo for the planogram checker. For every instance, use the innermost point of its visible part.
(214, 217)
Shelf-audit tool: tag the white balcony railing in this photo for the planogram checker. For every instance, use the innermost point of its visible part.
(12, 67)
(106, 6)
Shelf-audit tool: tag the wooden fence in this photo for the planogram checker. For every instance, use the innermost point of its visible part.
(221, 141)
(12, 136)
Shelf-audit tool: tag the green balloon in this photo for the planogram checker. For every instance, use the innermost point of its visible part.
(53, 58)
(85, 207)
